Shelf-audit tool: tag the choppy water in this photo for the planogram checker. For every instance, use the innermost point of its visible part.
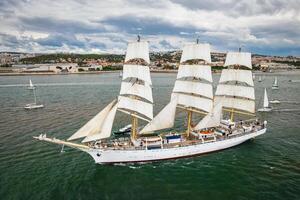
(266, 168)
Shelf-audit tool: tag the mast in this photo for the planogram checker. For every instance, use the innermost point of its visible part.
(34, 96)
(135, 98)
(236, 88)
(192, 92)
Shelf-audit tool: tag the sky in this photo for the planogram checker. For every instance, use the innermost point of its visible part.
(269, 27)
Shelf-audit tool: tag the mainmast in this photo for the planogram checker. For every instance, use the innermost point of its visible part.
(236, 88)
(192, 91)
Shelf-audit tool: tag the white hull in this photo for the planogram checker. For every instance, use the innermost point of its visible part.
(275, 87)
(264, 110)
(31, 88)
(33, 106)
(129, 156)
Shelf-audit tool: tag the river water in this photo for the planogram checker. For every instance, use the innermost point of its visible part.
(265, 168)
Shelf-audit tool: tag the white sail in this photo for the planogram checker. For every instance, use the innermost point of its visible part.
(163, 120)
(195, 71)
(242, 76)
(266, 100)
(30, 83)
(238, 58)
(196, 51)
(212, 119)
(193, 87)
(106, 127)
(94, 125)
(135, 106)
(275, 82)
(237, 103)
(195, 102)
(140, 72)
(143, 91)
(138, 50)
(235, 91)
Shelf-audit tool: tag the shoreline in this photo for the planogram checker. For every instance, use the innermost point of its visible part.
(277, 72)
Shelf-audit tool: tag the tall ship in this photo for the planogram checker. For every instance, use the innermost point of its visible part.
(227, 118)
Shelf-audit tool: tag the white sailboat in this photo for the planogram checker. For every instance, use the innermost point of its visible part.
(259, 79)
(266, 107)
(31, 86)
(34, 105)
(275, 84)
(192, 94)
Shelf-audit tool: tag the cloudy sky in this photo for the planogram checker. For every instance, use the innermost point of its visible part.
(95, 26)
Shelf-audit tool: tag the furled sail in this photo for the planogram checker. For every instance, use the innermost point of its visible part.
(212, 119)
(138, 50)
(238, 58)
(95, 124)
(163, 120)
(196, 51)
(106, 127)
(266, 100)
(195, 71)
(235, 89)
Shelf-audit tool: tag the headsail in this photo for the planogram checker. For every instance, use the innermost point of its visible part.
(106, 127)
(212, 119)
(94, 126)
(163, 120)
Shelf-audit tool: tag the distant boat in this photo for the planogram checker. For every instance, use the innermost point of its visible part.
(294, 81)
(260, 79)
(275, 84)
(34, 105)
(275, 101)
(266, 107)
(121, 75)
(125, 130)
(253, 76)
(31, 86)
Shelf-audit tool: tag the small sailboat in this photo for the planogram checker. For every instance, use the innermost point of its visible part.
(259, 79)
(34, 105)
(120, 74)
(266, 107)
(275, 101)
(192, 94)
(275, 84)
(31, 86)
(124, 130)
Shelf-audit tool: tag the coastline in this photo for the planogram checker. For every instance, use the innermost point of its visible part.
(277, 72)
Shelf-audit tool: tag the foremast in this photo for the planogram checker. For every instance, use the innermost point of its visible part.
(135, 98)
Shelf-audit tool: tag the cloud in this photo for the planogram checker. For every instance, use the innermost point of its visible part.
(262, 26)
